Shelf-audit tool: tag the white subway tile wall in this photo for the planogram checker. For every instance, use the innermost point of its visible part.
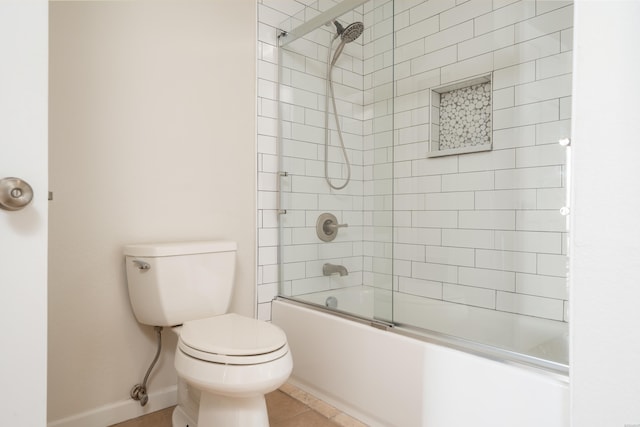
(482, 229)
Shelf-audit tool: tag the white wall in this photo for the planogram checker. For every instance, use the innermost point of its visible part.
(605, 251)
(23, 234)
(152, 127)
(484, 229)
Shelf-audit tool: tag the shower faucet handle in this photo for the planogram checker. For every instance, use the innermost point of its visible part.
(331, 227)
(327, 227)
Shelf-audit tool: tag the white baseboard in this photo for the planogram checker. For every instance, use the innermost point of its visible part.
(118, 412)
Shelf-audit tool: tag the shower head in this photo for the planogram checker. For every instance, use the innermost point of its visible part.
(347, 35)
(352, 32)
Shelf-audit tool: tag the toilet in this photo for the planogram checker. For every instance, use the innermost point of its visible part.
(225, 362)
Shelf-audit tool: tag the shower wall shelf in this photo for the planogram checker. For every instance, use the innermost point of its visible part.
(461, 117)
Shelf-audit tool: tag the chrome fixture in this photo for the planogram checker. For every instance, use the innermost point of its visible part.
(329, 269)
(327, 227)
(347, 35)
(565, 142)
(141, 265)
(15, 194)
(281, 174)
(331, 302)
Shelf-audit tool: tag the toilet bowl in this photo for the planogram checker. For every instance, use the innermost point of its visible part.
(233, 361)
(225, 362)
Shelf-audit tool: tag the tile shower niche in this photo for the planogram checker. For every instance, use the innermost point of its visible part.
(461, 117)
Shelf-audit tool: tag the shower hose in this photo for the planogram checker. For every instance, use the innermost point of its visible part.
(330, 92)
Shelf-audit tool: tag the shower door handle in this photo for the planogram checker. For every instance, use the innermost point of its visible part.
(15, 194)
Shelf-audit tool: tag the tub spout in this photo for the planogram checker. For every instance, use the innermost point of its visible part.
(329, 269)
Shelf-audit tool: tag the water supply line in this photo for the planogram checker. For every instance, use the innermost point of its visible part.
(139, 391)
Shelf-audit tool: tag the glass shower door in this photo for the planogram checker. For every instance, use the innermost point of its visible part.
(336, 158)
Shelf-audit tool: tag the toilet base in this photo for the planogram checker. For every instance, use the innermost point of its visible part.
(216, 410)
(181, 419)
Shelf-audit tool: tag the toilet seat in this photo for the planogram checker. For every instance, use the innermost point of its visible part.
(233, 340)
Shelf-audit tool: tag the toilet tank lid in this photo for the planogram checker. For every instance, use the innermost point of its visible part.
(179, 248)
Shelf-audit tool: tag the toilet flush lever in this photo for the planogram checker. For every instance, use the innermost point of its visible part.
(141, 265)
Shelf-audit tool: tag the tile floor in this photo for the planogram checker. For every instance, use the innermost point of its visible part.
(288, 407)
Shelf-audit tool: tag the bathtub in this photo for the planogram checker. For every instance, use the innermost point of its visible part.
(396, 376)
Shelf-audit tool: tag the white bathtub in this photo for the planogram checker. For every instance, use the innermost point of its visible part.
(386, 378)
(539, 341)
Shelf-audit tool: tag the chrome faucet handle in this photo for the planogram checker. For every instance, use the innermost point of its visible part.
(331, 227)
(327, 227)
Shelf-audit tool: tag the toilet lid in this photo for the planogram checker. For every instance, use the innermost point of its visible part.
(231, 336)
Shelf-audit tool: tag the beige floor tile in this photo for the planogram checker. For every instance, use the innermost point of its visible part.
(287, 407)
(345, 420)
(282, 407)
(306, 419)
(155, 419)
(324, 408)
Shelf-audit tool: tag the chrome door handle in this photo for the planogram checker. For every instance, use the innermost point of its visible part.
(15, 194)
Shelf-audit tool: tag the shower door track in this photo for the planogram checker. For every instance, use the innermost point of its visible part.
(376, 323)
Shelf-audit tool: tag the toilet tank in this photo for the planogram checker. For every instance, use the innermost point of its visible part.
(172, 283)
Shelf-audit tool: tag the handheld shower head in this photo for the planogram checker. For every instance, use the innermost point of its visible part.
(352, 32)
(347, 35)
